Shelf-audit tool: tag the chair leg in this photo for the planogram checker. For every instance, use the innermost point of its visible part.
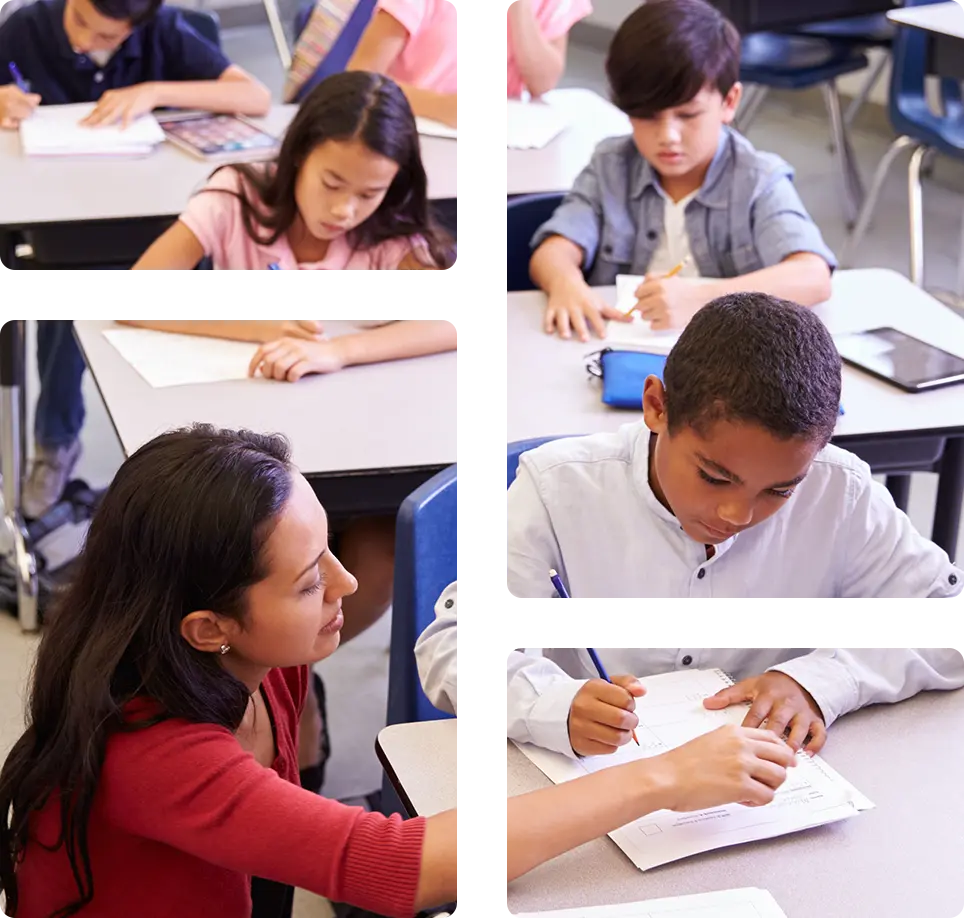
(870, 203)
(751, 107)
(857, 102)
(851, 184)
(916, 208)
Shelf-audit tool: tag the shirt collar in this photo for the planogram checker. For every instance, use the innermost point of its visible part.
(713, 192)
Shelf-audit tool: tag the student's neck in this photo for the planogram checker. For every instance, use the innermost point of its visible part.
(677, 187)
(304, 246)
(248, 673)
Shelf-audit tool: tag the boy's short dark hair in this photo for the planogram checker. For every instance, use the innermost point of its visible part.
(136, 12)
(666, 51)
(758, 359)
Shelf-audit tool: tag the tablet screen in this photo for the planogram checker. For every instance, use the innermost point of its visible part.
(894, 355)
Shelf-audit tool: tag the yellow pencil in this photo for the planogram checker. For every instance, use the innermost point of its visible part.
(672, 273)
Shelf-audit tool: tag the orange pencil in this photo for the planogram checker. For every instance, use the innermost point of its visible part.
(672, 273)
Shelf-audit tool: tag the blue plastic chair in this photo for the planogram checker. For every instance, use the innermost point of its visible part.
(205, 22)
(425, 564)
(516, 449)
(524, 215)
(920, 129)
(339, 54)
(770, 60)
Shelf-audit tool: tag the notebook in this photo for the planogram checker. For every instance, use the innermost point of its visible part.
(727, 903)
(220, 138)
(672, 713)
(429, 128)
(532, 125)
(55, 130)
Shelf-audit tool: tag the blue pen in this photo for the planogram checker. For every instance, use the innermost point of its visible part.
(22, 84)
(274, 266)
(555, 580)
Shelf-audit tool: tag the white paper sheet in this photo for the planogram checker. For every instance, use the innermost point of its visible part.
(729, 903)
(164, 359)
(55, 130)
(672, 713)
(532, 125)
(636, 335)
(429, 128)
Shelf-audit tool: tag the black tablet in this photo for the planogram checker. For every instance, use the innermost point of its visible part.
(899, 359)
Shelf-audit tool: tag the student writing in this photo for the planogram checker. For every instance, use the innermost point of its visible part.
(158, 770)
(683, 187)
(538, 36)
(727, 487)
(129, 56)
(347, 191)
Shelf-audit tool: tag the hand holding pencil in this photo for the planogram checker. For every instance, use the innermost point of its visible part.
(669, 301)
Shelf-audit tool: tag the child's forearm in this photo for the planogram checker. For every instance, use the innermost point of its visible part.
(232, 329)
(803, 278)
(437, 876)
(557, 261)
(241, 95)
(396, 341)
(540, 61)
(426, 103)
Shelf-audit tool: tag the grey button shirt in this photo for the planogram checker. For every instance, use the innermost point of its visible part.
(746, 216)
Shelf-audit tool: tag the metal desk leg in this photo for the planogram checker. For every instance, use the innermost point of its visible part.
(278, 32)
(12, 337)
(950, 496)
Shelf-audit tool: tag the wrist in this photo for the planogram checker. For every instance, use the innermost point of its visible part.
(654, 785)
(344, 348)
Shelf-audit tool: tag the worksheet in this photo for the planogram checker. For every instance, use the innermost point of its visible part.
(638, 334)
(729, 903)
(55, 130)
(672, 713)
(429, 128)
(532, 125)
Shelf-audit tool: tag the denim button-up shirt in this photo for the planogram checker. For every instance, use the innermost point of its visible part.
(746, 216)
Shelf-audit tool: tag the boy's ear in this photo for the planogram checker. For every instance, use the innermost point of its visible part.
(654, 405)
(731, 102)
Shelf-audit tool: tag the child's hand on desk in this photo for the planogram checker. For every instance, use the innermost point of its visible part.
(570, 305)
(601, 715)
(728, 765)
(782, 703)
(669, 302)
(124, 105)
(16, 106)
(289, 359)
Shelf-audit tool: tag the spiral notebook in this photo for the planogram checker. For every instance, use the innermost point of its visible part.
(672, 713)
(56, 130)
(727, 903)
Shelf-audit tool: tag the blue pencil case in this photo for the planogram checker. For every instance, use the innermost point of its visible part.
(623, 375)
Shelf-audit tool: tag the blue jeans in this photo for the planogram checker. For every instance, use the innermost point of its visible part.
(60, 408)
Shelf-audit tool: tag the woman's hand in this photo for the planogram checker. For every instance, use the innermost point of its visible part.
(289, 359)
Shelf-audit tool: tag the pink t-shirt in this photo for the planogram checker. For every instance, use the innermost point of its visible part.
(455, 46)
(555, 18)
(215, 219)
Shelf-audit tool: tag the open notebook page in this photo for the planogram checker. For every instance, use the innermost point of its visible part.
(532, 125)
(55, 130)
(729, 903)
(672, 713)
(429, 128)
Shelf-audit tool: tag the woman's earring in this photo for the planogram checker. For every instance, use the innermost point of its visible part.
(224, 649)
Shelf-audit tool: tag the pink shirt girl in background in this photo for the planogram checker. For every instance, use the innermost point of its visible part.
(454, 58)
(347, 191)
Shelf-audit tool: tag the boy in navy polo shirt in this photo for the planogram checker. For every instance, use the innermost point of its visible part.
(129, 56)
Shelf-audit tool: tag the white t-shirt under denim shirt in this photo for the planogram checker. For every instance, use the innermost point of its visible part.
(584, 506)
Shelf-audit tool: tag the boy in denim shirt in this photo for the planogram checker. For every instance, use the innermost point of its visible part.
(684, 188)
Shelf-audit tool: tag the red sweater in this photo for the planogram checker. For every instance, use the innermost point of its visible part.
(183, 817)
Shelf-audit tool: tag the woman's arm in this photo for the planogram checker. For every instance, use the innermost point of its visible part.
(541, 60)
(177, 249)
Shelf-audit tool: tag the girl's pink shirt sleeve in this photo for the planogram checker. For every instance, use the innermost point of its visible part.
(429, 59)
(555, 18)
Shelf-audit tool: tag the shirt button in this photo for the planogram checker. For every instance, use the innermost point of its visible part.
(607, 250)
(701, 574)
(952, 580)
(449, 603)
(651, 234)
(99, 77)
(687, 660)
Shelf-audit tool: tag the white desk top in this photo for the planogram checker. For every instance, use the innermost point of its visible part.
(946, 18)
(423, 757)
(393, 415)
(901, 859)
(549, 391)
(34, 191)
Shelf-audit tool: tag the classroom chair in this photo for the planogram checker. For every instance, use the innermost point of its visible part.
(336, 57)
(524, 215)
(516, 449)
(921, 130)
(770, 60)
(425, 564)
(205, 22)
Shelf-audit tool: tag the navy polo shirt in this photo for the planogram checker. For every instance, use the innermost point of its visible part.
(165, 49)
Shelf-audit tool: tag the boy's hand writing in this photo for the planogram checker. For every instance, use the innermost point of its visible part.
(571, 304)
(669, 302)
(124, 105)
(780, 702)
(289, 359)
(601, 715)
(16, 106)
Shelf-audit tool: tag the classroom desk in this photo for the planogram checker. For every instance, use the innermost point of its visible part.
(945, 24)
(420, 762)
(551, 394)
(901, 859)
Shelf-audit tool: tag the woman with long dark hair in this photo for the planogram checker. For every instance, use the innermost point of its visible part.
(347, 191)
(158, 772)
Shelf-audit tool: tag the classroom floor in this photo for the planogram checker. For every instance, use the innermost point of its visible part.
(790, 131)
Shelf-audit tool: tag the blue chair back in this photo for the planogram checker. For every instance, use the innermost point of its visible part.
(908, 107)
(524, 215)
(425, 563)
(516, 449)
(205, 22)
(339, 54)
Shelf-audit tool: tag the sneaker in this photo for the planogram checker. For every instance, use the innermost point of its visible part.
(48, 477)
